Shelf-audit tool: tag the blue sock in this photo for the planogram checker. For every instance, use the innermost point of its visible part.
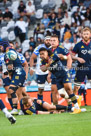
(40, 97)
(2, 106)
(10, 102)
(51, 98)
(73, 98)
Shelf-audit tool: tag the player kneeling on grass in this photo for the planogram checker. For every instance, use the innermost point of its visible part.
(31, 106)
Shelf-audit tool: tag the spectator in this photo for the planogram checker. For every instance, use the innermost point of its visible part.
(56, 30)
(73, 3)
(45, 20)
(87, 3)
(27, 56)
(76, 19)
(87, 14)
(60, 12)
(21, 25)
(67, 34)
(21, 9)
(63, 5)
(67, 44)
(59, 18)
(7, 15)
(1, 16)
(30, 12)
(66, 19)
(32, 43)
(52, 21)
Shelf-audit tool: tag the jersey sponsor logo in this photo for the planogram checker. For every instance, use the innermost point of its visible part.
(89, 52)
(67, 79)
(16, 77)
(13, 81)
(84, 52)
(82, 46)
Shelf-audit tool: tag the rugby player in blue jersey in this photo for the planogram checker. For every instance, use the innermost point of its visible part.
(53, 63)
(31, 106)
(14, 66)
(83, 49)
(7, 77)
(66, 60)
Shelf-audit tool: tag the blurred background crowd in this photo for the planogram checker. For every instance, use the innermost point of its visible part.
(26, 22)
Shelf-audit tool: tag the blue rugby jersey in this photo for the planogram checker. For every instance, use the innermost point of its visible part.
(56, 67)
(84, 51)
(16, 63)
(61, 50)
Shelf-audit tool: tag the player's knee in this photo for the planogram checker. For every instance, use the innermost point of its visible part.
(54, 88)
(13, 95)
(40, 91)
(12, 89)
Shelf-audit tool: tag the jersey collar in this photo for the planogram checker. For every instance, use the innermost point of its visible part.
(86, 43)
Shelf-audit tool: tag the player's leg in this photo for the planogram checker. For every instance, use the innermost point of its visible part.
(12, 90)
(54, 90)
(7, 113)
(79, 78)
(41, 84)
(6, 83)
(9, 96)
(50, 107)
(68, 88)
(24, 93)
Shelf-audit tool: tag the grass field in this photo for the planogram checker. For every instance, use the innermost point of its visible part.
(63, 124)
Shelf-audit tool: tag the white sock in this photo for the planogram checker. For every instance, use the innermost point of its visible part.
(76, 106)
(77, 96)
(6, 112)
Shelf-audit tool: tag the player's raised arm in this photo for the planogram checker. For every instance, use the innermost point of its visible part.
(33, 57)
(25, 64)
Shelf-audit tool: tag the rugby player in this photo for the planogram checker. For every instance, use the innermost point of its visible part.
(66, 60)
(53, 63)
(14, 67)
(83, 50)
(41, 76)
(31, 106)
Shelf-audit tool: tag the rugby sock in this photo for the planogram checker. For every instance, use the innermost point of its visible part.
(61, 107)
(10, 102)
(40, 97)
(70, 104)
(2, 106)
(51, 98)
(74, 100)
(84, 98)
(15, 106)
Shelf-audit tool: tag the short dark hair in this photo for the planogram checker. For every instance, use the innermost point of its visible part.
(48, 50)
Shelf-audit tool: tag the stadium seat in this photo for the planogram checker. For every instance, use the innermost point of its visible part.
(44, 2)
(14, 6)
(11, 36)
(51, 4)
(39, 14)
(4, 35)
(25, 46)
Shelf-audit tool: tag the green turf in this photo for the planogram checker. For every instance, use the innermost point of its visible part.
(63, 124)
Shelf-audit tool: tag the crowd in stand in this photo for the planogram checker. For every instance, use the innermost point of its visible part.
(66, 22)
